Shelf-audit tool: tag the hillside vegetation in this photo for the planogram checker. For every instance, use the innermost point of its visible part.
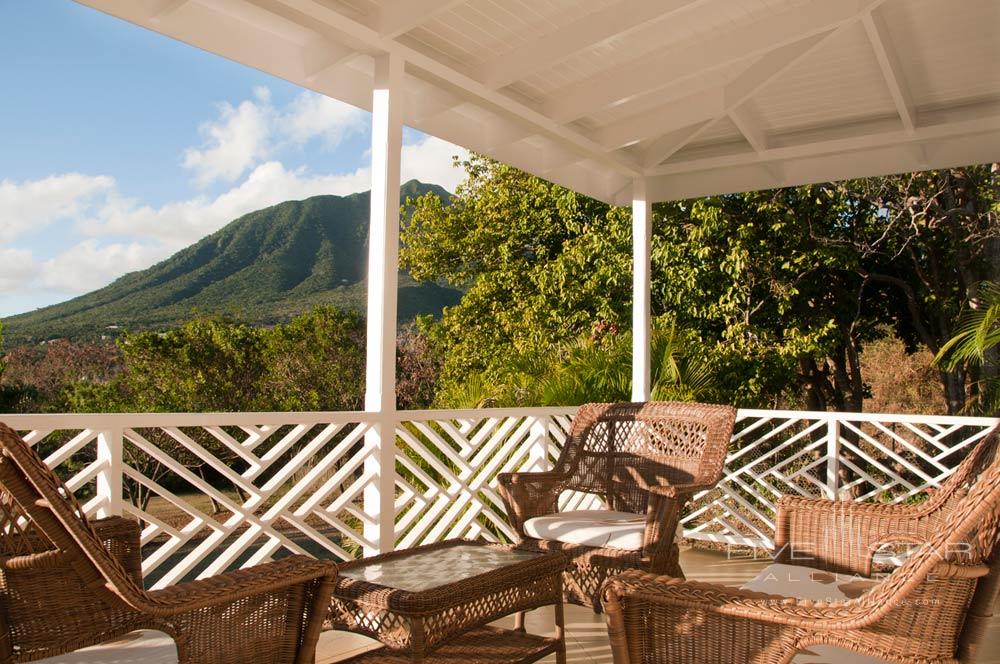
(265, 267)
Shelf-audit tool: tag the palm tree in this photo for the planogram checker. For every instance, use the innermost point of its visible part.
(976, 343)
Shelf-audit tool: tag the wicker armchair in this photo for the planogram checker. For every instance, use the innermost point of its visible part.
(67, 583)
(646, 460)
(934, 608)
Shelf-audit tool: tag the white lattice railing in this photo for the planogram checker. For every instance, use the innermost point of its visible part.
(218, 491)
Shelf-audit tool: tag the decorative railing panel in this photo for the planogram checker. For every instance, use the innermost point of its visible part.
(220, 491)
(844, 456)
(447, 463)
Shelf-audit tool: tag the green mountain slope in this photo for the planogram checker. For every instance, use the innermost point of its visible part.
(265, 267)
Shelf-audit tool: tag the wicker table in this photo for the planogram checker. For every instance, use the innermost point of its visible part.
(432, 603)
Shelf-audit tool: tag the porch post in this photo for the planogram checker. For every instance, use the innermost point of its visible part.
(642, 230)
(383, 265)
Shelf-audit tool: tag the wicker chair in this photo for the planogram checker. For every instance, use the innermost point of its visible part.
(67, 583)
(934, 608)
(645, 460)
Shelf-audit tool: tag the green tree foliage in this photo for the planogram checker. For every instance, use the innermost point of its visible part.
(936, 239)
(218, 364)
(776, 291)
(588, 369)
(976, 344)
(267, 266)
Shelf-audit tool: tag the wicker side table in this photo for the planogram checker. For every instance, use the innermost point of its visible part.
(432, 603)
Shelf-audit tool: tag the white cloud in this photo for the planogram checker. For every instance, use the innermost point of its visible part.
(430, 160)
(183, 222)
(17, 267)
(312, 115)
(240, 146)
(35, 204)
(245, 135)
(89, 265)
(232, 144)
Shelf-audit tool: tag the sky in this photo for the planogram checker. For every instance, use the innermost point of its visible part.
(119, 146)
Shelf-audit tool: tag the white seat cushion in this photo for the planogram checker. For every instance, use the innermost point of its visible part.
(141, 647)
(815, 584)
(601, 528)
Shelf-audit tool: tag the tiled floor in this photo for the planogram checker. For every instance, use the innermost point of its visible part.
(586, 634)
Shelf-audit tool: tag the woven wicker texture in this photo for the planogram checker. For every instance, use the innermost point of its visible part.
(644, 458)
(486, 645)
(67, 583)
(932, 609)
(418, 621)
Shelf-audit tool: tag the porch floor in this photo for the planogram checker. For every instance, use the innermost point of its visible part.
(586, 634)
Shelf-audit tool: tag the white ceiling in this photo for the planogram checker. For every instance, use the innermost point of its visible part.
(698, 96)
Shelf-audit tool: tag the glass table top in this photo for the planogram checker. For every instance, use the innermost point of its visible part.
(429, 569)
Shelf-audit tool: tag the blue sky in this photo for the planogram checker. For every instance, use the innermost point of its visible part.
(119, 146)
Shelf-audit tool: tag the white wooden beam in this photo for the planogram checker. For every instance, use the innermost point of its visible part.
(681, 61)
(396, 17)
(888, 62)
(675, 125)
(750, 126)
(939, 125)
(436, 72)
(322, 56)
(642, 232)
(865, 161)
(662, 148)
(770, 66)
(684, 112)
(588, 30)
(164, 8)
(383, 270)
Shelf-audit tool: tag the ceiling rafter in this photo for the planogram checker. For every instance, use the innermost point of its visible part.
(165, 8)
(863, 160)
(398, 17)
(968, 120)
(660, 149)
(888, 62)
(589, 30)
(456, 82)
(750, 126)
(323, 56)
(730, 101)
(688, 110)
(682, 61)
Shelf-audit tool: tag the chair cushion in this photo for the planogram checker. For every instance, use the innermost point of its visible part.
(815, 584)
(141, 647)
(600, 528)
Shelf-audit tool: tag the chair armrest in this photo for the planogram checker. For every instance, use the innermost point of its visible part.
(120, 537)
(527, 495)
(663, 513)
(270, 612)
(744, 604)
(841, 536)
(704, 622)
(224, 589)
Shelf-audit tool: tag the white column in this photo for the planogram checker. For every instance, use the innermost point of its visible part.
(383, 267)
(109, 478)
(642, 230)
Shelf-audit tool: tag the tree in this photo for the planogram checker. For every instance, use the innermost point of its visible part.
(977, 337)
(533, 271)
(314, 362)
(591, 369)
(937, 239)
(543, 266)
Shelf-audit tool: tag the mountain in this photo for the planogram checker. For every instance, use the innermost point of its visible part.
(265, 267)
